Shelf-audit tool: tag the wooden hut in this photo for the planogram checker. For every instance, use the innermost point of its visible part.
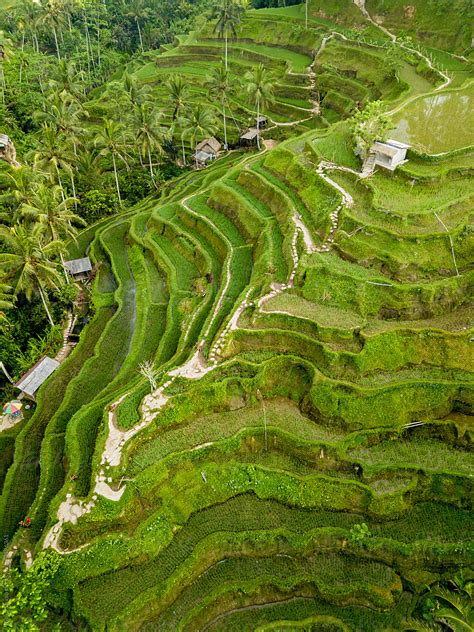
(249, 137)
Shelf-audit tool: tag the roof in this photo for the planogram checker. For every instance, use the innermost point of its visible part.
(38, 374)
(389, 147)
(4, 140)
(397, 143)
(213, 143)
(78, 266)
(250, 134)
(261, 119)
(203, 156)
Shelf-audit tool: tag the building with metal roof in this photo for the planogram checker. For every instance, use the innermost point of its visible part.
(34, 378)
(209, 146)
(78, 268)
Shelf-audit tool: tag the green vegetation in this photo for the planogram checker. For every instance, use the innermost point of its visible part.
(266, 420)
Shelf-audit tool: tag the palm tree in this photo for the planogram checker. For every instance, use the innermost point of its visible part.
(5, 54)
(53, 213)
(64, 113)
(27, 262)
(260, 88)
(219, 88)
(148, 132)
(199, 121)
(51, 156)
(53, 18)
(6, 303)
(112, 141)
(68, 79)
(228, 14)
(21, 184)
(178, 91)
(138, 11)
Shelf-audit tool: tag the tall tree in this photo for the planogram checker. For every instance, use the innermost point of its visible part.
(51, 156)
(54, 214)
(219, 87)
(111, 140)
(27, 263)
(260, 89)
(228, 15)
(53, 18)
(148, 133)
(138, 10)
(198, 122)
(369, 125)
(6, 51)
(178, 91)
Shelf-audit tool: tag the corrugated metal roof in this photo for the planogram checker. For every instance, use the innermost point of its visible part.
(78, 266)
(250, 135)
(203, 156)
(38, 374)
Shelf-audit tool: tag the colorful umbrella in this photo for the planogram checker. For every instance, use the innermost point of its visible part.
(12, 408)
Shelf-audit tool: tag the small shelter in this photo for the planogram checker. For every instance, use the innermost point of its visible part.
(209, 146)
(39, 373)
(389, 154)
(250, 136)
(261, 121)
(8, 151)
(79, 268)
(206, 151)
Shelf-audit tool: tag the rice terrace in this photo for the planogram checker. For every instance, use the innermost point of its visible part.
(236, 318)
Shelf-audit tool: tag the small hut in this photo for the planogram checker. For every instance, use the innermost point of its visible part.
(209, 146)
(261, 121)
(206, 151)
(249, 137)
(8, 151)
(389, 154)
(79, 269)
(34, 378)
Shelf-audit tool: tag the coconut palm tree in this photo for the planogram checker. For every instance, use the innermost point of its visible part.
(64, 113)
(111, 140)
(68, 79)
(198, 122)
(228, 15)
(51, 156)
(178, 91)
(27, 263)
(5, 55)
(148, 132)
(219, 87)
(139, 12)
(260, 89)
(53, 18)
(54, 214)
(20, 185)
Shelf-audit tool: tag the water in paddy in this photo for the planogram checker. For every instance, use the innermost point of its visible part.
(438, 123)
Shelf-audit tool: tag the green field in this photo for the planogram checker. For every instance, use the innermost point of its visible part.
(313, 355)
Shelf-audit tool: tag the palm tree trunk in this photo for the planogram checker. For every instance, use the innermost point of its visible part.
(306, 14)
(43, 298)
(7, 375)
(60, 183)
(57, 43)
(116, 179)
(73, 184)
(226, 67)
(64, 269)
(226, 146)
(258, 122)
(150, 165)
(184, 154)
(140, 34)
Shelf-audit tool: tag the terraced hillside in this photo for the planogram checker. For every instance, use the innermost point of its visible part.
(311, 332)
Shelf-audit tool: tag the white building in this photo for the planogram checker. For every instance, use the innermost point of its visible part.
(389, 154)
